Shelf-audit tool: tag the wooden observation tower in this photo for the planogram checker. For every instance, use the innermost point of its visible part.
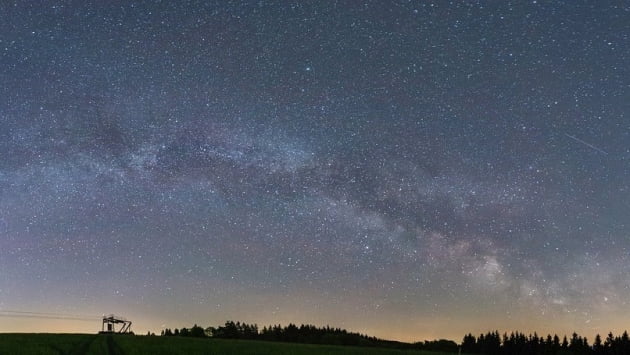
(110, 322)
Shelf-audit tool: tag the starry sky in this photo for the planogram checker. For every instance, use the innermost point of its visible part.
(407, 169)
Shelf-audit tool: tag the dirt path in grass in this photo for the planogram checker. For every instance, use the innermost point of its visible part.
(112, 347)
(83, 347)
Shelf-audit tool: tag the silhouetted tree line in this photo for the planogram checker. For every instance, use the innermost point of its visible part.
(308, 334)
(194, 332)
(292, 334)
(520, 344)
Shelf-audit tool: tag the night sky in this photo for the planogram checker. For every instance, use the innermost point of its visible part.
(406, 169)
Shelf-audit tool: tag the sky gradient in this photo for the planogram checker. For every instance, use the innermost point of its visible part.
(407, 169)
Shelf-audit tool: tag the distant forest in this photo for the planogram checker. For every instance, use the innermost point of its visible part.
(491, 343)
(308, 334)
(519, 344)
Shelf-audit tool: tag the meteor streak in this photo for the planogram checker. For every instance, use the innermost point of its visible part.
(586, 144)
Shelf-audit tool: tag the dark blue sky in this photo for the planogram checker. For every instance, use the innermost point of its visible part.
(406, 169)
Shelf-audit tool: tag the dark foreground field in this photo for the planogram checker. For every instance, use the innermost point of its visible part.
(44, 344)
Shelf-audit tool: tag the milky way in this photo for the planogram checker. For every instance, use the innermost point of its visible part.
(409, 170)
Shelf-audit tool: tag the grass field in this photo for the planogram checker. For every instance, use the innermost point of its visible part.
(71, 344)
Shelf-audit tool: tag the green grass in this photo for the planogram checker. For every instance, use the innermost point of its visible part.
(45, 344)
